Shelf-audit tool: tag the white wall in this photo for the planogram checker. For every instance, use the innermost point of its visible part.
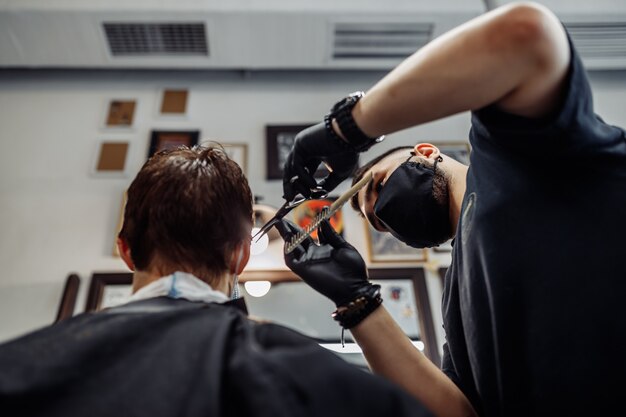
(57, 218)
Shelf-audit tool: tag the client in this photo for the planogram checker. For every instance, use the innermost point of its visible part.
(181, 346)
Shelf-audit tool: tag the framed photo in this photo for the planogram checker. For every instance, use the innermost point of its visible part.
(120, 113)
(174, 102)
(68, 298)
(172, 139)
(108, 290)
(279, 141)
(406, 298)
(238, 152)
(304, 214)
(382, 247)
(110, 160)
(459, 151)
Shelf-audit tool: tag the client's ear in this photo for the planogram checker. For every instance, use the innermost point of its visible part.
(239, 258)
(124, 250)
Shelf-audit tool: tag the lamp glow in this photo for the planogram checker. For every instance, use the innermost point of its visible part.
(257, 288)
(258, 247)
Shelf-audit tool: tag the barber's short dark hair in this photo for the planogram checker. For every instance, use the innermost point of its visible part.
(358, 174)
(188, 208)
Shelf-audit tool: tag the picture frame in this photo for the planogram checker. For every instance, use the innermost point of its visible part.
(417, 276)
(68, 298)
(120, 113)
(238, 152)
(459, 151)
(304, 214)
(108, 289)
(171, 139)
(382, 247)
(110, 158)
(279, 140)
(174, 102)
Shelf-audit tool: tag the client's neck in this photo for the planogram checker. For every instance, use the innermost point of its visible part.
(145, 277)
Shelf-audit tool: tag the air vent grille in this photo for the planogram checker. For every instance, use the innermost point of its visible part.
(599, 40)
(148, 39)
(379, 40)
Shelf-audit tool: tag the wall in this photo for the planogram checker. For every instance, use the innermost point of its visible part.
(57, 218)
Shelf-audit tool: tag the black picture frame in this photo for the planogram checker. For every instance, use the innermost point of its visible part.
(98, 284)
(279, 141)
(68, 298)
(422, 300)
(171, 139)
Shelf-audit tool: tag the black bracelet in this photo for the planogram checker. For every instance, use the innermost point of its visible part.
(357, 310)
(342, 113)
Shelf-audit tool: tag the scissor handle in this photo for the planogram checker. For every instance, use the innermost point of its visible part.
(318, 193)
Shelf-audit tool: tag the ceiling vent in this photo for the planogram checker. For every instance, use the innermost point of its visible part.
(605, 40)
(597, 29)
(391, 40)
(354, 35)
(156, 39)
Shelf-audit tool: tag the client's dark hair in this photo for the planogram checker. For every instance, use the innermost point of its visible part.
(188, 208)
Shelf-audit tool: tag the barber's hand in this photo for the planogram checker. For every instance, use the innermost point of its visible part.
(311, 147)
(334, 268)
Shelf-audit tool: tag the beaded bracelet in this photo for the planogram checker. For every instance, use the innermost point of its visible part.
(335, 136)
(355, 311)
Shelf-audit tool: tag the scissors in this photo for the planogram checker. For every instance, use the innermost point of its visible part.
(316, 193)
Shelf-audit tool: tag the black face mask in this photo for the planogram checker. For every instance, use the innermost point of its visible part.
(407, 208)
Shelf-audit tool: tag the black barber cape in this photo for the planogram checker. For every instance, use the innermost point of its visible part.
(166, 357)
(535, 297)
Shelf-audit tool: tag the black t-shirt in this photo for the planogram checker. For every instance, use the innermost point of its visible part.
(534, 300)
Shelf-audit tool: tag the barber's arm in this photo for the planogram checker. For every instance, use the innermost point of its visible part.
(335, 269)
(515, 56)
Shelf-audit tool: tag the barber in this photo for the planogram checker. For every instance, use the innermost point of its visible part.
(537, 261)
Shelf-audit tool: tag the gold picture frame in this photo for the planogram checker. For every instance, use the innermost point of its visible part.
(382, 247)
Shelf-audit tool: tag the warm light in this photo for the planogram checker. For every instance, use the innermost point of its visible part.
(258, 247)
(257, 288)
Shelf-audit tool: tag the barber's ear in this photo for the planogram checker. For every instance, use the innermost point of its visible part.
(124, 250)
(427, 150)
(237, 265)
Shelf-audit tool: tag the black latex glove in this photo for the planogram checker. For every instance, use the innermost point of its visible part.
(334, 268)
(311, 147)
